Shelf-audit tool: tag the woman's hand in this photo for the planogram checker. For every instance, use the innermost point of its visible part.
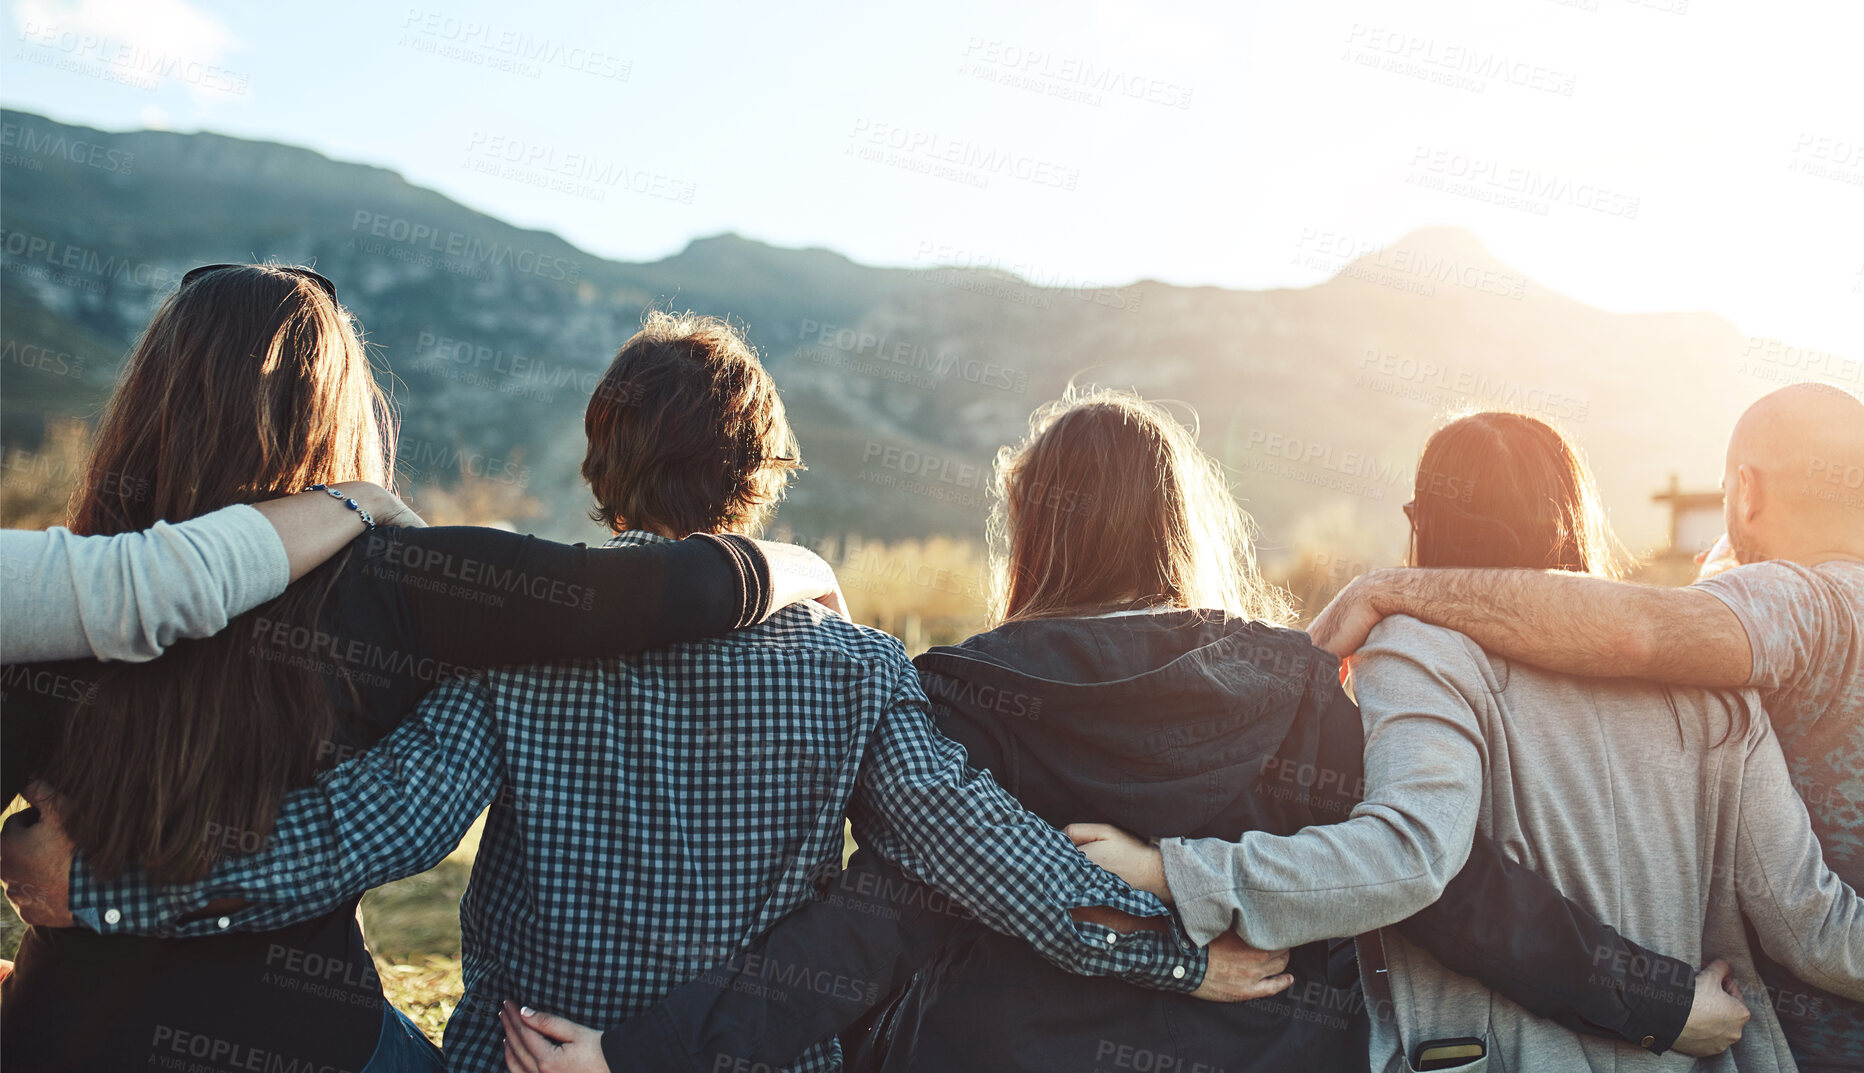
(1239, 972)
(1123, 854)
(1716, 1017)
(313, 526)
(539, 1043)
(383, 505)
(798, 574)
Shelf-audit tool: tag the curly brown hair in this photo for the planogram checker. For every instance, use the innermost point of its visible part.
(687, 433)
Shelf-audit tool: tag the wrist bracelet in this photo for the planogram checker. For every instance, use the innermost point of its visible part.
(367, 522)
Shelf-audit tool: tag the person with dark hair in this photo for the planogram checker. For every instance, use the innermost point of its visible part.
(249, 384)
(1669, 811)
(1137, 675)
(651, 813)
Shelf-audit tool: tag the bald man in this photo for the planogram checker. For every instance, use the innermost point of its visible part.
(1788, 621)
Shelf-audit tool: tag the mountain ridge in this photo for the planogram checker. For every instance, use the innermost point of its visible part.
(876, 362)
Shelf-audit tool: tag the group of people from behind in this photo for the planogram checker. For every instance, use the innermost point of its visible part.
(1547, 820)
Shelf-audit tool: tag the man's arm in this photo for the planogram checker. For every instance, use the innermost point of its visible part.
(1807, 919)
(920, 805)
(873, 928)
(1507, 926)
(1572, 623)
(394, 811)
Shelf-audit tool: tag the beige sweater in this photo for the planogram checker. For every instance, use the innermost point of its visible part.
(1637, 810)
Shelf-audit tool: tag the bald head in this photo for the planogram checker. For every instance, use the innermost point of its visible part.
(1795, 476)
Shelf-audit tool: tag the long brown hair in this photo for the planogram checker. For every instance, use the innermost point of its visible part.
(250, 382)
(1500, 489)
(1109, 502)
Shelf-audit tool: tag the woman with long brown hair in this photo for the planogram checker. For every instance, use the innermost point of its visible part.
(250, 383)
(1667, 811)
(1138, 675)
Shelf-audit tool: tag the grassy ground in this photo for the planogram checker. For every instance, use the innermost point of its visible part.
(413, 928)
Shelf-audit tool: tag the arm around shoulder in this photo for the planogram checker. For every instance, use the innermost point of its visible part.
(128, 596)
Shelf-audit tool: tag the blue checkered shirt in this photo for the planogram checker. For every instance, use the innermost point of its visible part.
(650, 815)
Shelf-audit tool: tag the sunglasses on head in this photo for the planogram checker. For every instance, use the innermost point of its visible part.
(296, 270)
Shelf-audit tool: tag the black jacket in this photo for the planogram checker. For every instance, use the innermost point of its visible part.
(1168, 724)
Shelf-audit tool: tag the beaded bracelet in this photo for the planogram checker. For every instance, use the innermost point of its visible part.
(367, 522)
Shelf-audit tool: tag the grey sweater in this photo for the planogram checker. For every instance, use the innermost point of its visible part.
(129, 596)
(1639, 811)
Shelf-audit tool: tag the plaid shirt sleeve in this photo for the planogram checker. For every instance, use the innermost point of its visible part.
(394, 811)
(920, 805)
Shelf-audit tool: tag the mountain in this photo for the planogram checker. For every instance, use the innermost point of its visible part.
(902, 383)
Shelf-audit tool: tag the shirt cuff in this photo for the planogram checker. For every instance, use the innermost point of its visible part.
(1161, 961)
(647, 1043)
(1659, 1007)
(262, 569)
(1191, 879)
(753, 575)
(1748, 626)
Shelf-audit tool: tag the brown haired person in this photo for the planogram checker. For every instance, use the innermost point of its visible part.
(651, 813)
(1787, 622)
(249, 383)
(1137, 676)
(1667, 810)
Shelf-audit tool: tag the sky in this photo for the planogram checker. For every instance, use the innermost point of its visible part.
(1639, 155)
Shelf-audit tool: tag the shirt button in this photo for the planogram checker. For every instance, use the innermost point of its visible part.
(223, 923)
(111, 916)
(1177, 972)
(1112, 938)
(1647, 1041)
